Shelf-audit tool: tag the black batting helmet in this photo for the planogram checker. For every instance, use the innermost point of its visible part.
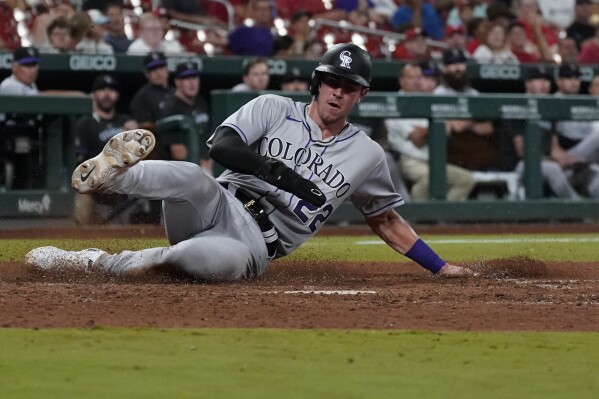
(346, 60)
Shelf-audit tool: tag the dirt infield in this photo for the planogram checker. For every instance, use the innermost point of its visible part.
(512, 294)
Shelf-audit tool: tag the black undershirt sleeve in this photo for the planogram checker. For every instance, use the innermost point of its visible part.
(229, 150)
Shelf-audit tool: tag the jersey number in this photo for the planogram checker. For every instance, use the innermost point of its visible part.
(320, 218)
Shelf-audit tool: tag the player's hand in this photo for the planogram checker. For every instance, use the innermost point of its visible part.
(455, 271)
(303, 188)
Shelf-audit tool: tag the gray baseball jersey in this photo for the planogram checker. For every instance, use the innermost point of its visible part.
(347, 166)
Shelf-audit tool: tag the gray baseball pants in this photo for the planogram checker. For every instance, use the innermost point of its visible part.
(212, 237)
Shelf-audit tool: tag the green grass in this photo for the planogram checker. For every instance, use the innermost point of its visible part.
(270, 363)
(574, 248)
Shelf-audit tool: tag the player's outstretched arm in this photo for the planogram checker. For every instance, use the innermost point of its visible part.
(400, 236)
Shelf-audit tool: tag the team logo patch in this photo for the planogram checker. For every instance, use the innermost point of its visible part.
(345, 59)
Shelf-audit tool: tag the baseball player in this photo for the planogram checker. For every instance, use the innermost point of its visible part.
(290, 165)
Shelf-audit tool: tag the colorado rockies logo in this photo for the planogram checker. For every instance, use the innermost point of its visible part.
(345, 59)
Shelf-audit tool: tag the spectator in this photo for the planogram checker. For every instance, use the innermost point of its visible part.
(475, 31)
(151, 38)
(589, 53)
(294, 81)
(86, 35)
(581, 29)
(287, 8)
(256, 38)
(282, 47)
(92, 132)
(558, 13)
(455, 37)
(472, 144)
(518, 44)
(39, 35)
(494, 49)
(464, 10)
(186, 100)
(255, 75)
(409, 137)
(314, 50)
(567, 52)
(538, 82)
(579, 139)
(300, 32)
(419, 14)
(413, 47)
(528, 14)
(385, 9)
(145, 105)
(360, 12)
(190, 11)
(59, 37)
(115, 28)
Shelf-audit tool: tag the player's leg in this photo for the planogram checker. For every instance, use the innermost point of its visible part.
(593, 186)
(190, 196)
(459, 183)
(209, 258)
(416, 171)
(587, 148)
(557, 180)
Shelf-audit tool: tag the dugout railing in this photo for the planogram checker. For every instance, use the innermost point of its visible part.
(438, 109)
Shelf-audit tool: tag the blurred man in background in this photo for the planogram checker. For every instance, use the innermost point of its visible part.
(92, 132)
(145, 105)
(186, 100)
(255, 75)
(115, 28)
(294, 81)
(409, 137)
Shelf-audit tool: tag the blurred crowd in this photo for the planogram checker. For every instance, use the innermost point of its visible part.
(488, 31)
(435, 39)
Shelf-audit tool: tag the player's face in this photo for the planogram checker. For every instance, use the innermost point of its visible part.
(428, 84)
(568, 85)
(26, 74)
(294, 86)
(337, 96)
(257, 78)
(538, 86)
(188, 87)
(410, 78)
(158, 76)
(105, 98)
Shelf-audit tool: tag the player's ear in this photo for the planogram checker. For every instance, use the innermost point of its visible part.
(363, 93)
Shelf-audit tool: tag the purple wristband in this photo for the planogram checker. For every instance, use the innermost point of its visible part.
(422, 254)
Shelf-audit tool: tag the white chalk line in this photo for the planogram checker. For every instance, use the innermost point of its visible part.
(326, 292)
(493, 240)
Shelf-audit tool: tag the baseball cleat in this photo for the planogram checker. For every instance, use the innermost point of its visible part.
(52, 258)
(121, 151)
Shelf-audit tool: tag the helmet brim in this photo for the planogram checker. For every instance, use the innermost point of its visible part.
(343, 73)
